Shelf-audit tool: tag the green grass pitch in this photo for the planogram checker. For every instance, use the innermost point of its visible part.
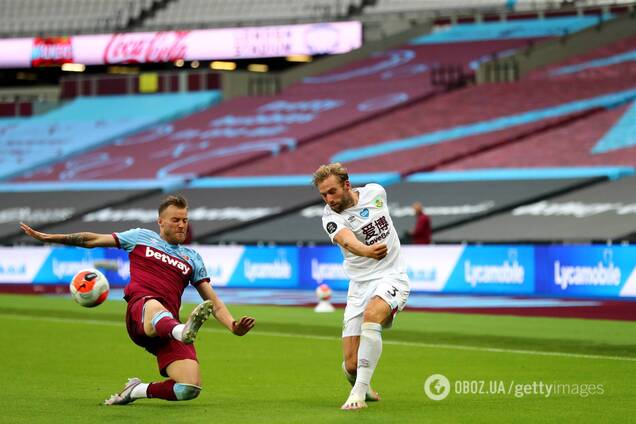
(60, 361)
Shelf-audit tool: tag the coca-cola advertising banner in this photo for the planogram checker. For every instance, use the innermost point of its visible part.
(168, 46)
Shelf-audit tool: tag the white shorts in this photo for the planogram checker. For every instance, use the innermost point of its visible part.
(394, 289)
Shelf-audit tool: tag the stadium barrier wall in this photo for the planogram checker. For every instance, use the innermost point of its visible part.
(595, 271)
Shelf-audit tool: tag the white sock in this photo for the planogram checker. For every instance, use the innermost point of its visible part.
(368, 355)
(140, 391)
(177, 332)
(350, 377)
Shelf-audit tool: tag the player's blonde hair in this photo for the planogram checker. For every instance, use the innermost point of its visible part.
(325, 171)
(175, 200)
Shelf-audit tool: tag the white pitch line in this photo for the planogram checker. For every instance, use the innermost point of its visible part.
(337, 339)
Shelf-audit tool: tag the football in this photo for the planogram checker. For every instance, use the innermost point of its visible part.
(89, 288)
(323, 292)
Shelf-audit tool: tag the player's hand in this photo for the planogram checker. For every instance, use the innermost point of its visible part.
(242, 326)
(377, 251)
(31, 232)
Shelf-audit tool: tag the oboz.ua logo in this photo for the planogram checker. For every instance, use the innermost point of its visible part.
(437, 387)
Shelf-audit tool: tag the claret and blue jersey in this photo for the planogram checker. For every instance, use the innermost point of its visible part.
(158, 268)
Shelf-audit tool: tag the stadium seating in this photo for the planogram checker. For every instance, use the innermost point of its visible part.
(502, 30)
(471, 6)
(446, 128)
(244, 130)
(85, 123)
(617, 60)
(392, 6)
(63, 17)
(567, 145)
(464, 116)
(525, 5)
(398, 68)
(386, 113)
(375, 104)
(604, 138)
(15, 109)
(206, 13)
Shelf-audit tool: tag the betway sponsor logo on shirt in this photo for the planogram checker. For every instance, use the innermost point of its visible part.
(181, 266)
(509, 272)
(598, 275)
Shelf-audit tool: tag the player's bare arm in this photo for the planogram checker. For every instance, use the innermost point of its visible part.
(83, 239)
(348, 241)
(222, 314)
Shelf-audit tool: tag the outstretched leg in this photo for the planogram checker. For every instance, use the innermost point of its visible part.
(350, 365)
(126, 395)
(196, 319)
(369, 351)
(184, 384)
(159, 322)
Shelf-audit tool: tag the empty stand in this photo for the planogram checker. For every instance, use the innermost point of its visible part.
(212, 13)
(602, 138)
(244, 130)
(501, 30)
(424, 136)
(434, 6)
(616, 60)
(63, 17)
(454, 126)
(567, 145)
(377, 104)
(84, 124)
(241, 131)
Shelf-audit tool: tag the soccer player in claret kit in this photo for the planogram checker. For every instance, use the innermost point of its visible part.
(160, 270)
(358, 221)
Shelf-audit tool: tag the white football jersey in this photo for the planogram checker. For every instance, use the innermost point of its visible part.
(371, 223)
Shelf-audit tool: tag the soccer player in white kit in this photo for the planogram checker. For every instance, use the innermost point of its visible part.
(358, 221)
